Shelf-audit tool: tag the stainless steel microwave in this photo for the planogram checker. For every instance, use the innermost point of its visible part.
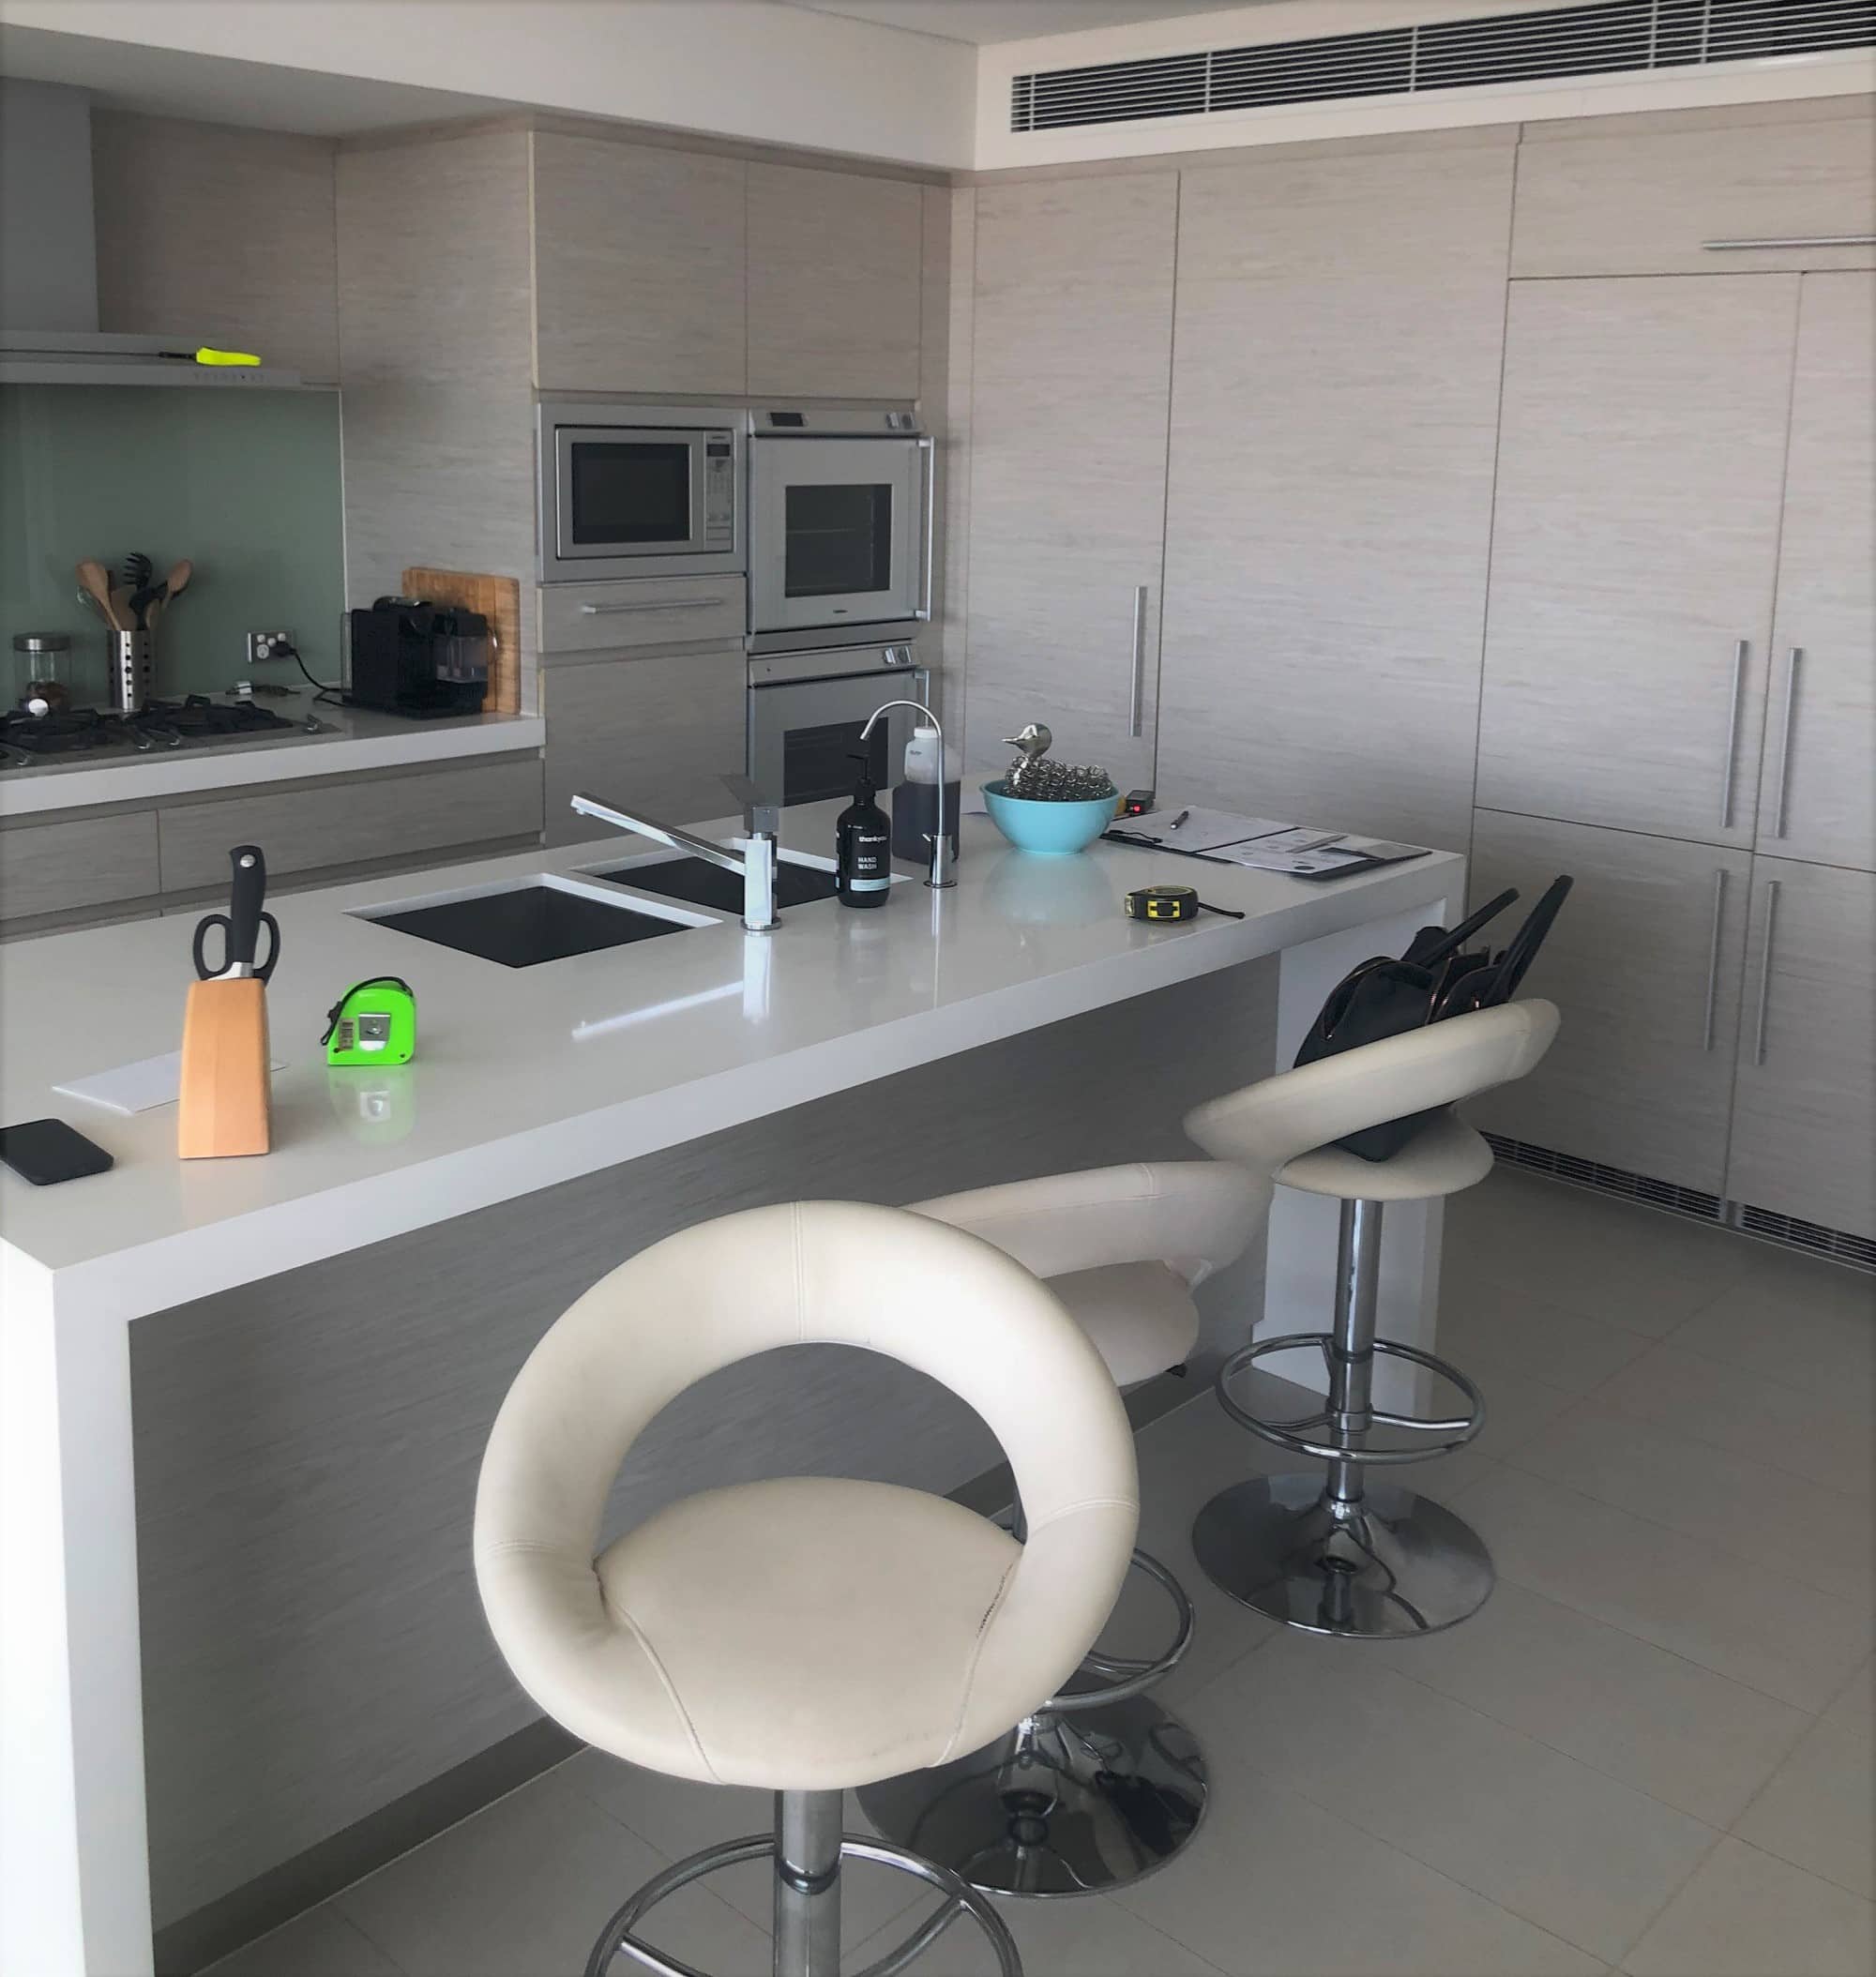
(639, 490)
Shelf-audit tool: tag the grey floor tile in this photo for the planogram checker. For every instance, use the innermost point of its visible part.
(1489, 1329)
(678, 1818)
(1722, 1496)
(1823, 1435)
(1765, 1629)
(1819, 1808)
(1674, 1730)
(1566, 1848)
(1277, 1885)
(1746, 1915)
(320, 1943)
(1795, 1320)
(1517, 1406)
(1087, 1936)
(523, 1888)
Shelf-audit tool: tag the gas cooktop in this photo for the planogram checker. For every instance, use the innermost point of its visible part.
(195, 721)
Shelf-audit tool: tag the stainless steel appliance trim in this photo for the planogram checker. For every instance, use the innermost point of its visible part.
(1765, 968)
(928, 447)
(1794, 240)
(1713, 957)
(1780, 809)
(847, 662)
(849, 693)
(1134, 710)
(606, 610)
(891, 421)
(1741, 647)
(825, 638)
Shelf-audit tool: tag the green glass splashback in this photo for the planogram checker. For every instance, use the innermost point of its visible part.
(246, 485)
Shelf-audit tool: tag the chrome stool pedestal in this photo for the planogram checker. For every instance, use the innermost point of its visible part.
(1334, 1554)
(810, 1850)
(1099, 1788)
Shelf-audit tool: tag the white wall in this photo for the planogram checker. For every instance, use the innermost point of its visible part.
(996, 147)
(783, 75)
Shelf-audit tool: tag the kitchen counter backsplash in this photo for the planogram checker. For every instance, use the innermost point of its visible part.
(247, 486)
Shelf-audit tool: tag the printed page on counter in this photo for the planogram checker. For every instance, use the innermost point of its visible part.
(1201, 830)
(1313, 854)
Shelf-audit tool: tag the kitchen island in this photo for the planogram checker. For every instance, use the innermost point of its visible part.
(244, 1401)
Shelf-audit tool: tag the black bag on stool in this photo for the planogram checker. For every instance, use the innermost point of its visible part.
(1436, 978)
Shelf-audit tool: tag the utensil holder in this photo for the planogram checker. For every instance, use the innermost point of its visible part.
(133, 669)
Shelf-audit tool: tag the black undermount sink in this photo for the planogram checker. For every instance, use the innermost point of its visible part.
(521, 926)
(699, 883)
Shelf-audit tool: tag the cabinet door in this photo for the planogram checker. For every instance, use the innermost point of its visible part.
(1818, 795)
(1802, 1138)
(50, 866)
(1645, 964)
(639, 277)
(658, 732)
(1645, 203)
(1634, 547)
(1072, 368)
(834, 284)
(1339, 333)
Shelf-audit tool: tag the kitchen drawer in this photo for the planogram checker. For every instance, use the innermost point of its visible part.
(59, 867)
(645, 611)
(362, 817)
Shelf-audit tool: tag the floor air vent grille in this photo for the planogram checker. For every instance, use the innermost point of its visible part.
(1836, 1244)
(1607, 38)
(1609, 1180)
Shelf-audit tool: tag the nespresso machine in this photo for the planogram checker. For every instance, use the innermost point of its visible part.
(423, 660)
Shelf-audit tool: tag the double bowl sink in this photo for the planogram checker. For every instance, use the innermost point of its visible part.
(544, 916)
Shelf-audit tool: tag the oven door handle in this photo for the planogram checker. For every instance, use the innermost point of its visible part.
(928, 447)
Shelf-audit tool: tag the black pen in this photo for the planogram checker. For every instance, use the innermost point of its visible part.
(1178, 819)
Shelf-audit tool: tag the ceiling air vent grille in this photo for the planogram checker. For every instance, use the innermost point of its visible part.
(1606, 37)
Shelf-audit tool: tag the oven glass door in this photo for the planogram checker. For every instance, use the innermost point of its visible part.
(837, 531)
(804, 739)
(627, 493)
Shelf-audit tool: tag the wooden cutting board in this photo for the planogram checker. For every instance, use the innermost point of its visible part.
(499, 600)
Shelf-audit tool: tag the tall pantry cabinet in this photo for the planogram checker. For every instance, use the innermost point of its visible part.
(1679, 705)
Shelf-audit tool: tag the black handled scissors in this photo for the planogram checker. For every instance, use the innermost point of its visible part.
(263, 969)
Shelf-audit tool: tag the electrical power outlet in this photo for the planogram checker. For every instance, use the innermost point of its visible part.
(266, 645)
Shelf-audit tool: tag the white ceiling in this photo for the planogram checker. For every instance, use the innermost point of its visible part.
(985, 21)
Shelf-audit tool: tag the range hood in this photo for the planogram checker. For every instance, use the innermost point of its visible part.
(49, 332)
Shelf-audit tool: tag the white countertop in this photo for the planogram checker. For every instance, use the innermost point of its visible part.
(528, 1077)
(352, 738)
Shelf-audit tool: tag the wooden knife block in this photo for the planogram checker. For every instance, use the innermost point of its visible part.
(224, 1107)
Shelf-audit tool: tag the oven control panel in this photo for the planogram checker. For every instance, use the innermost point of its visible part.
(719, 490)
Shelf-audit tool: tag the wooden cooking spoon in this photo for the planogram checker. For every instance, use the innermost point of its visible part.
(94, 579)
(177, 580)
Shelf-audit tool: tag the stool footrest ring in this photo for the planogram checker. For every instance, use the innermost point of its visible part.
(1443, 1434)
(1129, 1676)
(618, 1939)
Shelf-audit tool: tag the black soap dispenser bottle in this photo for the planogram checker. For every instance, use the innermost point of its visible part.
(863, 847)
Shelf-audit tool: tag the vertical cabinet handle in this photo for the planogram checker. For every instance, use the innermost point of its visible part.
(1135, 685)
(1740, 650)
(1713, 957)
(1765, 970)
(1779, 808)
(928, 447)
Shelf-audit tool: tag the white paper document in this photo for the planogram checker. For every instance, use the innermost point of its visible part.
(1202, 831)
(139, 1087)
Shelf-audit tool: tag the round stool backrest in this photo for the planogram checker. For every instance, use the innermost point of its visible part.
(1267, 1123)
(837, 1272)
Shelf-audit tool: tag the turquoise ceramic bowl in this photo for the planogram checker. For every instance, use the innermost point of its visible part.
(1051, 828)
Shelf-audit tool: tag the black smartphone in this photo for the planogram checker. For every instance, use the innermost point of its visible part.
(48, 1150)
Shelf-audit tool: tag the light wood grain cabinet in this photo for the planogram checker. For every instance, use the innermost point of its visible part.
(1645, 203)
(657, 730)
(1645, 962)
(303, 827)
(1635, 550)
(643, 610)
(1817, 797)
(1803, 1141)
(639, 267)
(1335, 398)
(54, 866)
(834, 283)
(1072, 370)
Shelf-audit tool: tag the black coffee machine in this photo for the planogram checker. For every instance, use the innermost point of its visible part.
(420, 659)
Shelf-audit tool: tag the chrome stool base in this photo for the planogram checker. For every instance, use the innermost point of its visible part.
(807, 1907)
(1392, 1564)
(1066, 1804)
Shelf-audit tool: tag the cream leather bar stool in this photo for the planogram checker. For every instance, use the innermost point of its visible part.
(1100, 1785)
(1336, 1554)
(808, 1635)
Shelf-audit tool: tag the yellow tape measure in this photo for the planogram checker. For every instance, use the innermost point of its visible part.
(1171, 902)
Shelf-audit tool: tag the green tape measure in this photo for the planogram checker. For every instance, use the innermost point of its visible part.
(373, 1022)
(1171, 902)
